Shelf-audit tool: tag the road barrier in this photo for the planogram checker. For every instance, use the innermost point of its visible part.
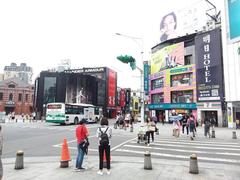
(147, 161)
(234, 135)
(19, 164)
(193, 168)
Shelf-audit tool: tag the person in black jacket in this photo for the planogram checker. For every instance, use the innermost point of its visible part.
(184, 124)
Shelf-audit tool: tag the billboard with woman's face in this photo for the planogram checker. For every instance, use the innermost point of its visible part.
(183, 21)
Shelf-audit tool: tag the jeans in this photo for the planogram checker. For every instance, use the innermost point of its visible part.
(101, 151)
(80, 156)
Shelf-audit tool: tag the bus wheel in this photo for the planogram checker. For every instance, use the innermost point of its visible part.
(76, 121)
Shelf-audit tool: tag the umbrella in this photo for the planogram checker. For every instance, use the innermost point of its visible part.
(175, 118)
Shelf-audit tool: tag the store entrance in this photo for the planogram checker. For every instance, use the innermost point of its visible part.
(210, 114)
(160, 114)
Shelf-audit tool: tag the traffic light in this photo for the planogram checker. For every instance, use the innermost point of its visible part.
(128, 59)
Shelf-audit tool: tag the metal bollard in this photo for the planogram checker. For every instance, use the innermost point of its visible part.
(115, 125)
(147, 161)
(157, 132)
(125, 128)
(234, 135)
(19, 160)
(213, 133)
(131, 128)
(193, 168)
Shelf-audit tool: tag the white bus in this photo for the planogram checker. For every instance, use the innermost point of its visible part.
(67, 113)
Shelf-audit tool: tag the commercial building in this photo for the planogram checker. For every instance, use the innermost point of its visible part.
(16, 96)
(97, 86)
(23, 72)
(186, 76)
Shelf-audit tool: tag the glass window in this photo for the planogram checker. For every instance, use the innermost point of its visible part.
(1, 96)
(182, 96)
(157, 98)
(157, 83)
(188, 59)
(11, 86)
(10, 98)
(26, 97)
(181, 80)
(49, 89)
(20, 97)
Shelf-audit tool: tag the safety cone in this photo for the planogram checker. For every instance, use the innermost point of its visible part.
(105, 160)
(65, 157)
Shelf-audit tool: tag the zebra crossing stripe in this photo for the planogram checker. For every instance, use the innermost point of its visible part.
(196, 147)
(181, 150)
(180, 156)
(201, 144)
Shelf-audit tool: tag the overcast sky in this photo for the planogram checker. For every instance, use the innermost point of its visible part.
(43, 32)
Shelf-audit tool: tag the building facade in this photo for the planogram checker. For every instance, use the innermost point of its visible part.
(16, 96)
(23, 72)
(186, 76)
(97, 86)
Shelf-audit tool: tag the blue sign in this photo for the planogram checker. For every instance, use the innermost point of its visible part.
(173, 106)
(146, 73)
(234, 19)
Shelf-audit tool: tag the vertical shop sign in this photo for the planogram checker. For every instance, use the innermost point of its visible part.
(209, 66)
(111, 88)
(146, 74)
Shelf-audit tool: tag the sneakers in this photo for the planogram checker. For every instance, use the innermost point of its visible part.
(100, 172)
(108, 172)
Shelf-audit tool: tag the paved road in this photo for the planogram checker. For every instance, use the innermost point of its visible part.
(41, 139)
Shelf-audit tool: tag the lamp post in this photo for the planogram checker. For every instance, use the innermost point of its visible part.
(141, 46)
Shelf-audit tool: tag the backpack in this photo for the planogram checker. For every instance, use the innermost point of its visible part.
(104, 141)
(192, 123)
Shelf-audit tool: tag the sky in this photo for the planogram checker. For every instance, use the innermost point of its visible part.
(41, 33)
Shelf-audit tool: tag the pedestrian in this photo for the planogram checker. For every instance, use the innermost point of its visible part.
(81, 135)
(207, 125)
(213, 121)
(151, 128)
(184, 124)
(176, 128)
(1, 148)
(104, 134)
(192, 125)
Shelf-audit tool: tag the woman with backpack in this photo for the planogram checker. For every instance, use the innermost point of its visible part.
(192, 126)
(104, 133)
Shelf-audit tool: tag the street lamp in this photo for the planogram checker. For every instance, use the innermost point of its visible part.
(140, 45)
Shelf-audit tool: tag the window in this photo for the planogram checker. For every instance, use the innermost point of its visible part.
(188, 60)
(181, 80)
(157, 83)
(20, 97)
(157, 98)
(182, 96)
(10, 98)
(1, 96)
(49, 89)
(26, 97)
(11, 86)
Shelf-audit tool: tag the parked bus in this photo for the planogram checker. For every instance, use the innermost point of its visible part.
(67, 113)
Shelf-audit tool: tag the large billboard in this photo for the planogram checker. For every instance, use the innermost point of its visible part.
(167, 57)
(182, 21)
(112, 88)
(209, 72)
(233, 13)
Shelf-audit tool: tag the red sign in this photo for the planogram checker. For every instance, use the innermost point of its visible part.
(111, 88)
(122, 98)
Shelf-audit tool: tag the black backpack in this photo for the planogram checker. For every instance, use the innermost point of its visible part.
(104, 141)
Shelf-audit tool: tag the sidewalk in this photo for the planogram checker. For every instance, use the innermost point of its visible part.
(124, 168)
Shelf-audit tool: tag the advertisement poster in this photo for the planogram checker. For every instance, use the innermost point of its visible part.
(209, 73)
(167, 57)
(233, 12)
(111, 88)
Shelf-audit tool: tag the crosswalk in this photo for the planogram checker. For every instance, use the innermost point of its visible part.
(180, 149)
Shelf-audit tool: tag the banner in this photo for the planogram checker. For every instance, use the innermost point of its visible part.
(167, 57)
(146, 73)
(111, 88)
(209, 73)
(233, 12)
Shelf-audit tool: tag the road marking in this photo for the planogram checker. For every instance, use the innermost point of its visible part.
(113, 149)
(181, 150)
(202, 143)
(180, 156)
(196, 147)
